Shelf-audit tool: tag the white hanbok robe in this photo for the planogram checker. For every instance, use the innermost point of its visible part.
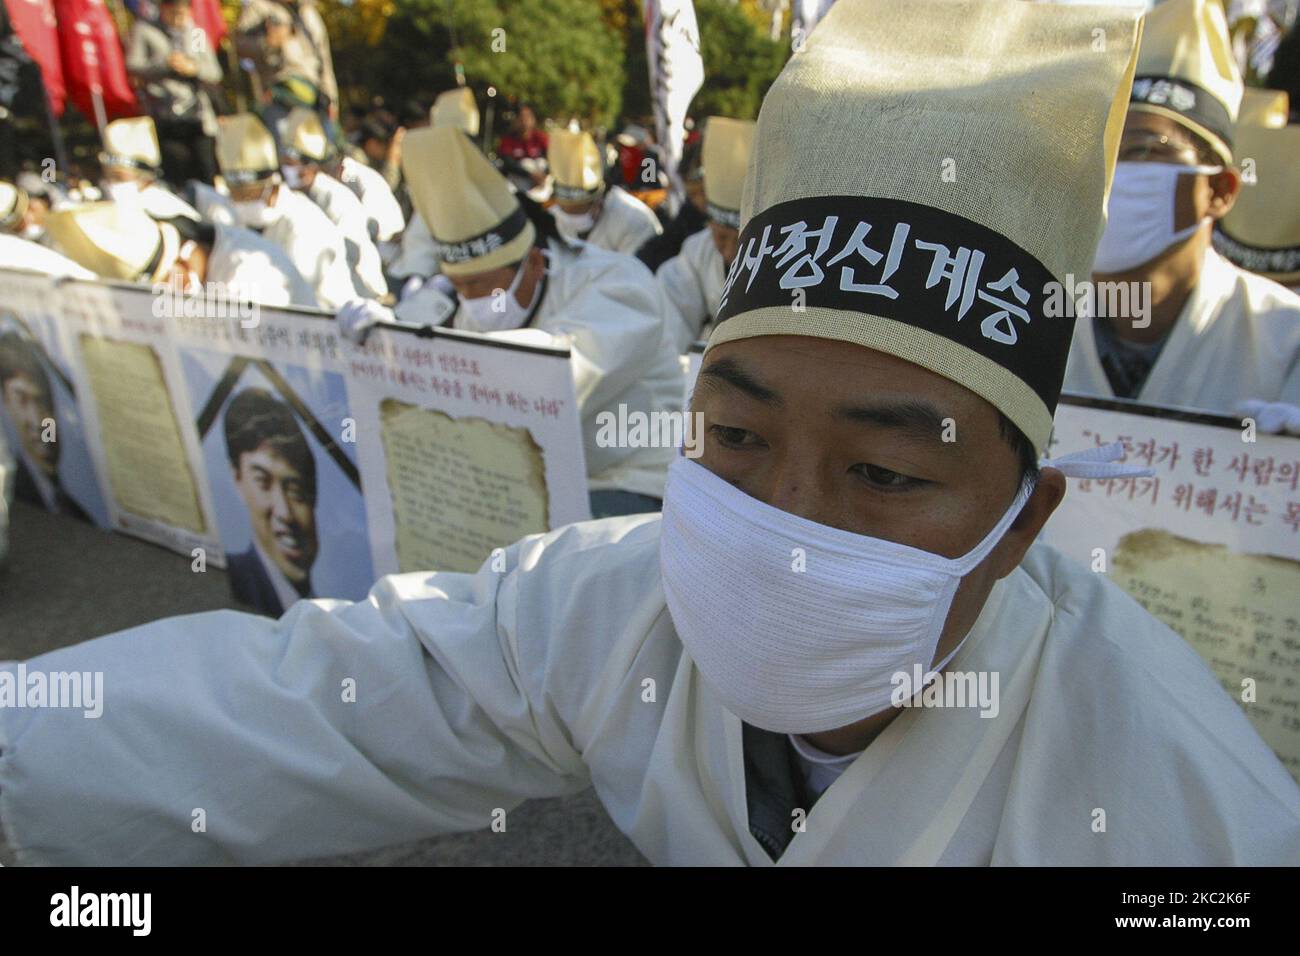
(243, 260)
(1237, 338)
(383, 211)
(417, 257)
(344, 209)
(313, 244)
(161, 203)
(475, 692)
(624, 224)
(690, 286)
(19, 253)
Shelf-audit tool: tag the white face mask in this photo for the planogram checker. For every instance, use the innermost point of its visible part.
(293, 177)
(497, 313)
(33, 232)
(1140, 222)
(124, 193)
(255, 213)
(573, 226)
(799, 651)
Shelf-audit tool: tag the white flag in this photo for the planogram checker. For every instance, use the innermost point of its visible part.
(672, 40)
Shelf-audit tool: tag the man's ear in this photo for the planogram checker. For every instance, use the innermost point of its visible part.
(1224, 188)
(1047, 495)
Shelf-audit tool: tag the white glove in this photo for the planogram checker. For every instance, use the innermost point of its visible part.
(430, 302)
(356, 316)
(1272, 418)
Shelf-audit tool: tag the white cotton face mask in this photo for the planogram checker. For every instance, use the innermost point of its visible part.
(493, 313)
(799, 627)
(573, 226)
(254, 213)
(292, 176)
(1140, 219)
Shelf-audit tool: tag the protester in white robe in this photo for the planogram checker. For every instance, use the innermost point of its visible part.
(383, 211)
(132, 165)
(1212, 336)
(691, 282)
(665, 661)
(18, 253)
(246, 153)
(584, 209)
(305, 148)
(600, 304)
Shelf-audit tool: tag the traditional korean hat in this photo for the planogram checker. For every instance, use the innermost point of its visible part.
(476, 222)
(245, 149)
(1186, 70)
(456, 109)
(576, 164)
(114, 240)
(727, 145)
(1261, 232)
(303, 136)
(13, 204)
(1260, 107)
(132, 143)
(922, 190)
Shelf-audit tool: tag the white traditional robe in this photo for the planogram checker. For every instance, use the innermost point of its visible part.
(161, 203)
(690, 285)
(243, 260)
(314, 245)
(213, 205)
(417, 257)
(624, 224)
(382, 208)
(1237, 338)
(19, 253)
(476, 692)
(344, 209)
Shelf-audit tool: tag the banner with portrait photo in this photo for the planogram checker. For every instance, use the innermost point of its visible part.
(39, 410)
(1210, 544)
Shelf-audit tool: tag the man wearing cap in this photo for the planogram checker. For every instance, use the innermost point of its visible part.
(123, 243)
(691, 282)
(726, 675)
(502, 275)
(18, 223)
(585, 209)
(262, 202)
(305, 148)
(132, 164)
(1215, 337)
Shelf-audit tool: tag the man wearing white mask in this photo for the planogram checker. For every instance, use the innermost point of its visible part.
(1215, 336)
(828, 541)
(305, 148)
(502, 276)
(18, 231)
(584, 209)
(180, 255)
(132, 164)
(691, 282)
(250, 166)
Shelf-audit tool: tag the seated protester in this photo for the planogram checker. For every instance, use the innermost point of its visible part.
(262, 202)
(691, 282)
(1261, 232)
(304, 149)
(515, 281)
(690, 219)
(132, 165)
(1216, 337)
(772, 690)
(121, 242)
(584, 209)
(17, 251)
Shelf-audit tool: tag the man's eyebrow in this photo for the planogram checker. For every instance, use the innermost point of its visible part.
(911, 417)
(733, 373)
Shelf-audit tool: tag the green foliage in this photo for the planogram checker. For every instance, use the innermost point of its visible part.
(740, 61)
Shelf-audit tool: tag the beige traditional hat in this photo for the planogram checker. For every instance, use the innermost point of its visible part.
(476, 222)
(1186, 70)
(727, 145)
(245, 149)
(114, 240)
(1260, 107)
(576, 165)
(13, 204)
(1261, 233)
(922, 189)
(303, 136)
(456, 109)
(133, 143)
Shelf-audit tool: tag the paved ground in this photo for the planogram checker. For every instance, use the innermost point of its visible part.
(66, 582)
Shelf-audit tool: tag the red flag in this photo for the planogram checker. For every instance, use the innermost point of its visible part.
(92, 59)
(34, 23)
(207, 14)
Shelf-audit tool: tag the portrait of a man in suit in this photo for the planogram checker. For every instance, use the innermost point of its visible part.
(275, 475)
(28, 398)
